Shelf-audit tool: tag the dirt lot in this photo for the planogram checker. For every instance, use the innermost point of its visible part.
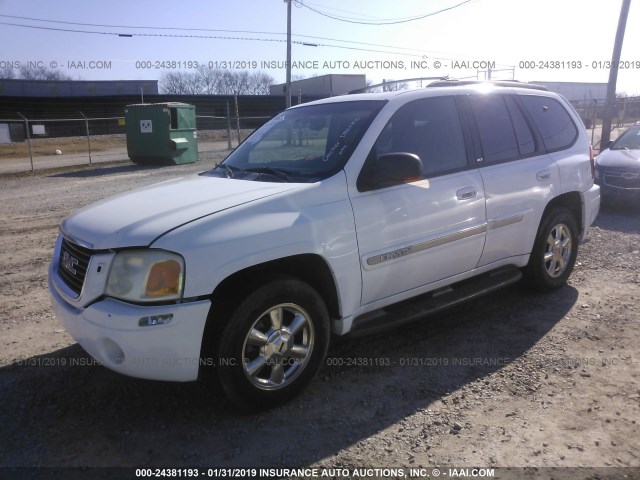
(516, 379)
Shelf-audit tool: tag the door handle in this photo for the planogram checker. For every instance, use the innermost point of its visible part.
(543, 175)
(466, 193)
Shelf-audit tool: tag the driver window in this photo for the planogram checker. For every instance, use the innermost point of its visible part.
(429, 128)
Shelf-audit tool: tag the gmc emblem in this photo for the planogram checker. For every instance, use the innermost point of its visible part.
(69, 262)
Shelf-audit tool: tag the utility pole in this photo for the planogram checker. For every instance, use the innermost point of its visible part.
(613, 75)
(288, 52)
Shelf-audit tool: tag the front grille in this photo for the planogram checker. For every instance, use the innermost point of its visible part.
(630, 180)
(73, 264)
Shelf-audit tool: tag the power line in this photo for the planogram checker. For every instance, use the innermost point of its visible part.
(57, 29)
(404, 51)
(326, 7)
(299, 3)
(218, 37)
(134, 26)
(202, 30)
(383, 22)
(40, 27)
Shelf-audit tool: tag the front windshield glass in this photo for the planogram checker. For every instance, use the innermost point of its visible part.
(303, 144)
(630, 140)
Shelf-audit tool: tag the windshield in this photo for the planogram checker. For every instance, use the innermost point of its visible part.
(630, 140)
(304, 144)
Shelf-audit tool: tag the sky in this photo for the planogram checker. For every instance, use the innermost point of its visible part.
(545, 40)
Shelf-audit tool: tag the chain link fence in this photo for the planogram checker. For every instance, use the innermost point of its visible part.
(626, 112)
(27, 145)
(60, 137)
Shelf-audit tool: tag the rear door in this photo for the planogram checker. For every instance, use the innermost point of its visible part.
(414, 234)
(519, 176)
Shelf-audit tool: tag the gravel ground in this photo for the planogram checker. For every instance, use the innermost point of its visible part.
(516, 379)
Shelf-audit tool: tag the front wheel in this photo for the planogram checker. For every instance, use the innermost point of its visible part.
(554, 251)
(273, 343)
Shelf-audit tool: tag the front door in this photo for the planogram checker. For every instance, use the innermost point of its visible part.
(413, 234)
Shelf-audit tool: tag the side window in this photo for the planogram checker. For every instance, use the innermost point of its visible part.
(553, 121)
(497, 136)
(526, 143)
(429, 128)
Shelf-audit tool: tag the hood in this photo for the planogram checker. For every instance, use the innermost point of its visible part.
(138, 217)
(619, 158)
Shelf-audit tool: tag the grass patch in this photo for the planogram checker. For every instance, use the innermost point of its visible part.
(48, 146)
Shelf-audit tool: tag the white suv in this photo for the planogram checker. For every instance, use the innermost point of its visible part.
(349, 214)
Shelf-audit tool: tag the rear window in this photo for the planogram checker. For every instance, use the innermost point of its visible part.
(553, 121)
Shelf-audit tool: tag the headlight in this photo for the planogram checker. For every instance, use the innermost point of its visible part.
(146, 276)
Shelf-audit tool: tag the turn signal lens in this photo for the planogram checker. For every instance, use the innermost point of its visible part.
(165, 278)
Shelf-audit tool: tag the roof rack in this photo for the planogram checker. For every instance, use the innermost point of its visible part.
(498, 83)
(395, 82)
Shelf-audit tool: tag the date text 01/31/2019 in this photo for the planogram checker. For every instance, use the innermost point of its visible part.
(423, 64)
(274, 64)
(312, 64)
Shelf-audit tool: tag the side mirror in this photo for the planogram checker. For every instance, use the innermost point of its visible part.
(392, 169)
(608, 145)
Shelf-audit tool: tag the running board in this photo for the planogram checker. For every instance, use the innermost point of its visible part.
(433, 302)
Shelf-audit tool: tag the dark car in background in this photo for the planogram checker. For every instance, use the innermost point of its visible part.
(618, 167)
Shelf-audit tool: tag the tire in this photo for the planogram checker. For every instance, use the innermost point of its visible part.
(273, 344)
(554, 251)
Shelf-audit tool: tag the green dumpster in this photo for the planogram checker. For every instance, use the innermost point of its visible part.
(161, 133)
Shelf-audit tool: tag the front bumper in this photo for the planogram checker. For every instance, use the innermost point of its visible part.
(617, 193)
(109, 331)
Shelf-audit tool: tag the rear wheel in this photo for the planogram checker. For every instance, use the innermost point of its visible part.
(273, 343)
(554, 251)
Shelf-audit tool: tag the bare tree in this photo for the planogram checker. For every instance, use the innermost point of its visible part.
(180, 83)
(7, 73)
(42, 73)
(206, 81)
(210, 79)
(260, 83)
(228, 86)
(171, 83)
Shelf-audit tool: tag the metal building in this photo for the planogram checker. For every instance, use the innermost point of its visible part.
(76, 88)
(321, 86)
(577, 91)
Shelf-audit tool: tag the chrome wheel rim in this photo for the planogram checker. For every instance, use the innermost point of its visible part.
(558, 250)
(278, 346)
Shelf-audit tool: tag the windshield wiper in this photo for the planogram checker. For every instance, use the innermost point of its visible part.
(227, 170)
(276, 172)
